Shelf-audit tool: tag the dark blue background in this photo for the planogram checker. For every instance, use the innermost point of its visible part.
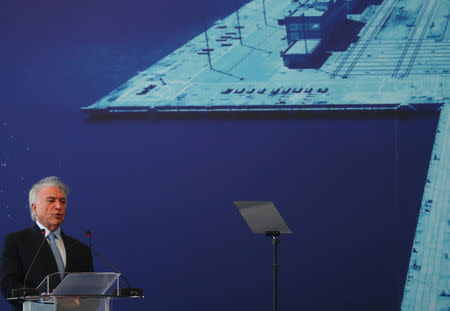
(158, 195)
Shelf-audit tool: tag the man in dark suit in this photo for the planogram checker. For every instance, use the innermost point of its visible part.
(60, 253)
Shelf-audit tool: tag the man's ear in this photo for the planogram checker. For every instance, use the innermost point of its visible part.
(34, 207)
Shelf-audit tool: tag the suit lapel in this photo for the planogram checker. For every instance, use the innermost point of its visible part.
(69, 249)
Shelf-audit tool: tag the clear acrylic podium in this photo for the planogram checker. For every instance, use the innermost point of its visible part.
(88, 291)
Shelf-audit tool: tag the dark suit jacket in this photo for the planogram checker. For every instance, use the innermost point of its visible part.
(19, 249)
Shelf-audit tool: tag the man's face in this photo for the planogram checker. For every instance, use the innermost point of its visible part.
(50, 209)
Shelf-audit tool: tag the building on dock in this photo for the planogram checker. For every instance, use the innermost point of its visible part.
(299, 54)
(350, 5)
(312, 24)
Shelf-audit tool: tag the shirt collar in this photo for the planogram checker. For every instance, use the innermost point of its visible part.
(47, 232)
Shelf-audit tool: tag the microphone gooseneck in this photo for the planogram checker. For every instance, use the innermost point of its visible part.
(21, 292)
(129, 291)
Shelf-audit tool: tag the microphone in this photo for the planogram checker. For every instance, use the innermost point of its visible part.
(21, 292)
(121, 292)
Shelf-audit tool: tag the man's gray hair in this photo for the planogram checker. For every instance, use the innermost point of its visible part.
(51, 181)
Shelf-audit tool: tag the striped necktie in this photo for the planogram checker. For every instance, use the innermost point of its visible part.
(56, 254)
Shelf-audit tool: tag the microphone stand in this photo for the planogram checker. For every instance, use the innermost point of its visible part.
(23, 292)
(121, 292)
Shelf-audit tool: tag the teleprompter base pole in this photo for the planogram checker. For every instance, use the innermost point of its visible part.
(275, 242)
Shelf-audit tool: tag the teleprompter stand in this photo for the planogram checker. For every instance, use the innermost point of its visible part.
(263, 218)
